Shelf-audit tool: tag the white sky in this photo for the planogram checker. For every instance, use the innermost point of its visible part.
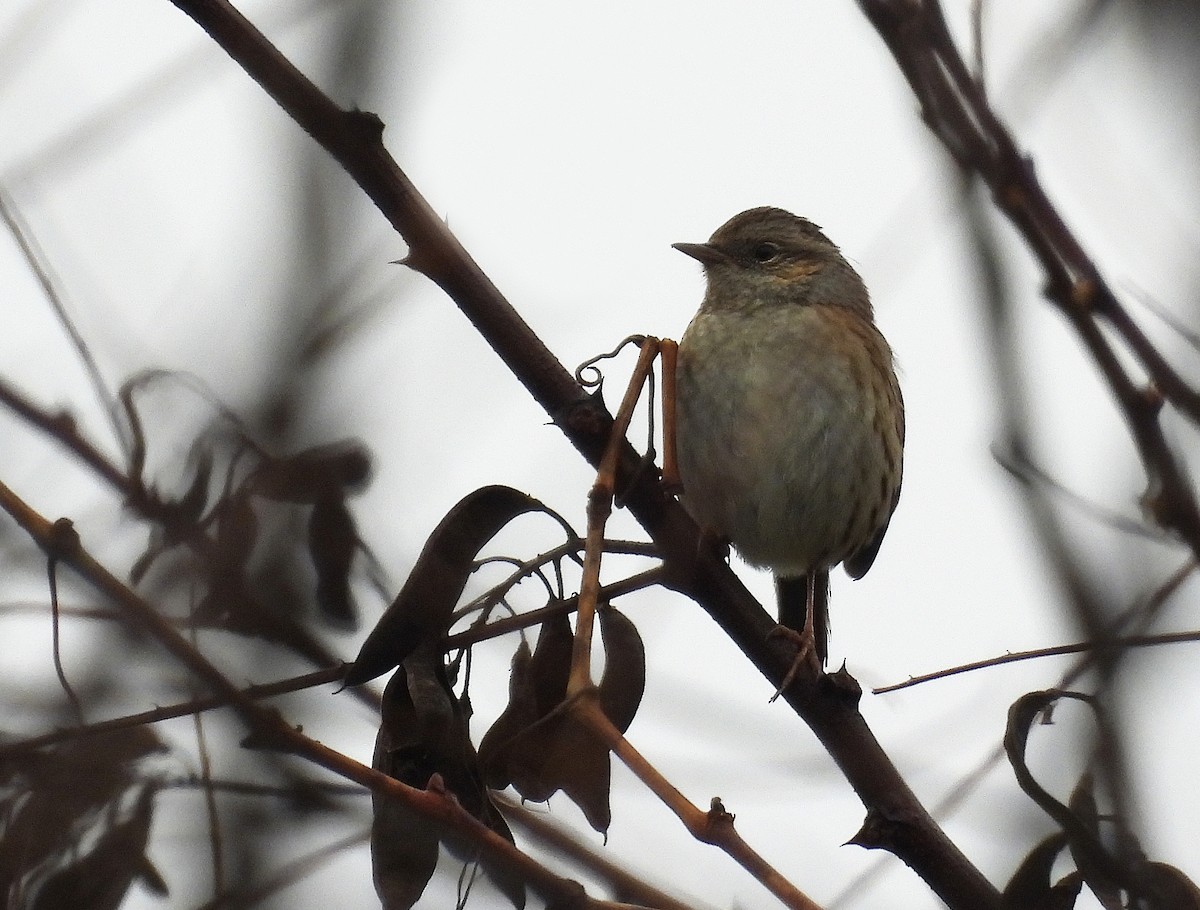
(569, 145)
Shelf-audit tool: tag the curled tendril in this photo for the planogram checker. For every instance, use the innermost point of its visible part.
(588, 375)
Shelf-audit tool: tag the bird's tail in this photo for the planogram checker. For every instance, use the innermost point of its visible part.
(792, 596)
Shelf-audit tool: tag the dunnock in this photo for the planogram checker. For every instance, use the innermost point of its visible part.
(790, 422)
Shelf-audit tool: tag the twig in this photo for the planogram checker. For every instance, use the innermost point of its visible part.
(1082, 647)
(65, 539)
(36, 260)
(530, 618)
(286, 875)
(564, 842)
(167, 712)
(246, 788)
(210, 796)
(600, 500)
(527, 568)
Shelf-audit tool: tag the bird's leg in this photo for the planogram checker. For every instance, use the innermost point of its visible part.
(668, 351)
(805, 639)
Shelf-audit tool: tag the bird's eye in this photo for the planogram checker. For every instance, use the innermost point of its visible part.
(765, 252)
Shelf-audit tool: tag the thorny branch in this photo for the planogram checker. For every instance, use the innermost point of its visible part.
(955, 107)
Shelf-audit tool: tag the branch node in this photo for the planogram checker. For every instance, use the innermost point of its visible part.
(1083, 294)
(1153, 396)
(366, 124)
(63, 541)
(717, 825)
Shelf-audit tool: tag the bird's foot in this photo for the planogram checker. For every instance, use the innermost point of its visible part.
(806, 655)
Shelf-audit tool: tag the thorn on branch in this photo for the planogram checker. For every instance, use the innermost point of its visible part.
(368, 126)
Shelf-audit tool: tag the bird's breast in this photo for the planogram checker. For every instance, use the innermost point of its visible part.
(780, 435)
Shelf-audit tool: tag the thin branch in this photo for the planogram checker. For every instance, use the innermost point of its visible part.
(40, 266)
(1012, 657)
(1031, 474)
(55, 624)
(167, 712)
(286, 875)
(290, 791)
(956, 109)
(61, 426)
(210, 796)
(530, 618)
(526, 569)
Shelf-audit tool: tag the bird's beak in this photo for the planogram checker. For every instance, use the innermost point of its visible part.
(706, 253)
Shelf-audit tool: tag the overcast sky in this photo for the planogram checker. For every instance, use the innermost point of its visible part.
(569, 145)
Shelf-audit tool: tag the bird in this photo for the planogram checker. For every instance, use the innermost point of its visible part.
(790, 419)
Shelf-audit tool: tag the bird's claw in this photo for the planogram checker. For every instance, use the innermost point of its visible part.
(806, 655)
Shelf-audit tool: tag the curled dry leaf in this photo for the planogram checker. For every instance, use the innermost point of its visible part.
(538, 746)
(1171, 888)
(1021, 717)
(1094, 866)
(59, 792)
(1030, 887)
(1108, 874)
(423, 734)
(423, 609)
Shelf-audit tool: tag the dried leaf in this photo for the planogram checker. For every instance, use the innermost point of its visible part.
(404, 845)
(1021, 716)
(1030, 887)
(424, 733)
(1095, 866)
(520, 712)
(624, 680)
(1171, 888)
(556, 752)
(322, 472)
(101, 878)
(66, 787)
(332, 540)
(537, 686)
(228, 593)
(422, 610)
